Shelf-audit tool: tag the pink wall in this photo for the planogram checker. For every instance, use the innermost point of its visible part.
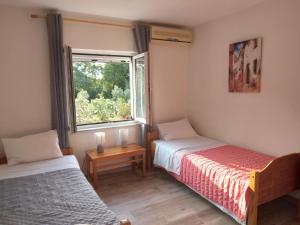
(24, 74)
(268, 121)
(25, 80)
(169, 68)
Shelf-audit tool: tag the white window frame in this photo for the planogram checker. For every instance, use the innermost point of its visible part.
(109, 124)
(146, 86)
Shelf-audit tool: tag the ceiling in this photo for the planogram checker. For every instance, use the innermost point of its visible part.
(181, 12)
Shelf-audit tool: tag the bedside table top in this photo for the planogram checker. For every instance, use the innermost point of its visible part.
(116, 152)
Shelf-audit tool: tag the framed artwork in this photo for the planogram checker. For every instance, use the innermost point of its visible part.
(245, 66)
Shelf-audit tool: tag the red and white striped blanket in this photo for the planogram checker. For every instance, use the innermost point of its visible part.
(222, 175)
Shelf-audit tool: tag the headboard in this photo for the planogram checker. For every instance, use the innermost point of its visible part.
(152, 136)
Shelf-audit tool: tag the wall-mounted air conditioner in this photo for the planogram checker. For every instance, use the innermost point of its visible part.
(171, 34)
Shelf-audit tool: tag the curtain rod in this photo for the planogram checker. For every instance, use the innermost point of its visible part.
(69, 19)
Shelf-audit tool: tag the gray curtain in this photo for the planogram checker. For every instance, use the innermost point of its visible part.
(142, 39)
(58, 79)
(141, 34)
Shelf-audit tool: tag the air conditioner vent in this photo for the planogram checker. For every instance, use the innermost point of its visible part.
(171, 34)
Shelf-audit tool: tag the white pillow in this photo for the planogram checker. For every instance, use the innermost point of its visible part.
(176, 130)
(32, 148)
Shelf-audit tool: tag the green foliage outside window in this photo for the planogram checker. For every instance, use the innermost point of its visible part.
(102, 92)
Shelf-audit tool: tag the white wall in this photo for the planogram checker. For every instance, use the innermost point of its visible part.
(25, 79)
(98, 37)
(24, 74)
(169, 66)
(269, 121)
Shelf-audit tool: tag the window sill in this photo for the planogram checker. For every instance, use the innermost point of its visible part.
(107, 125)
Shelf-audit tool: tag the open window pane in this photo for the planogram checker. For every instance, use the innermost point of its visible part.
(102, 88)
(140, 87)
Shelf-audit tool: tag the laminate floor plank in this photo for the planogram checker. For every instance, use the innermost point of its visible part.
(158, 199)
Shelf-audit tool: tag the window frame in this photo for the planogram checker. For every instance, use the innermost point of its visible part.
(146, 118)
(105, 124)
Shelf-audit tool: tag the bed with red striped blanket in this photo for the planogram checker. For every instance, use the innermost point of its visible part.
(234, 179)
(221, 175)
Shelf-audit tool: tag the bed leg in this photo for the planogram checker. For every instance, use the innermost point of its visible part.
(252, 215)
(254, 189)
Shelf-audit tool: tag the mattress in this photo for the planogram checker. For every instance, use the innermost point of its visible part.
(168, 154)
(26, 169)
(50, 192)
(219, 174)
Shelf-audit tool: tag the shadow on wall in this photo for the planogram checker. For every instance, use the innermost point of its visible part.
(85, 140)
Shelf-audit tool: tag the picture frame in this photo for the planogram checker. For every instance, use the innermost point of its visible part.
(245, 60)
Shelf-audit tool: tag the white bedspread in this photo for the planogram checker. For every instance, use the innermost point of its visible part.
(44, 166)
(168, 154)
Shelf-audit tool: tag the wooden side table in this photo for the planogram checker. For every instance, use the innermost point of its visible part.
(132, 155)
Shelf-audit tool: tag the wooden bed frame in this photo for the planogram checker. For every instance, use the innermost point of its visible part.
(66, 151)
(280, 177)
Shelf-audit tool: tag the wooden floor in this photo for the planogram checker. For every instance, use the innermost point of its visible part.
(159, 199)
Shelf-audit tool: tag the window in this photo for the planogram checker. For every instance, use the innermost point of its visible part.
(101, 88)
(109, 88)
(141, 88)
